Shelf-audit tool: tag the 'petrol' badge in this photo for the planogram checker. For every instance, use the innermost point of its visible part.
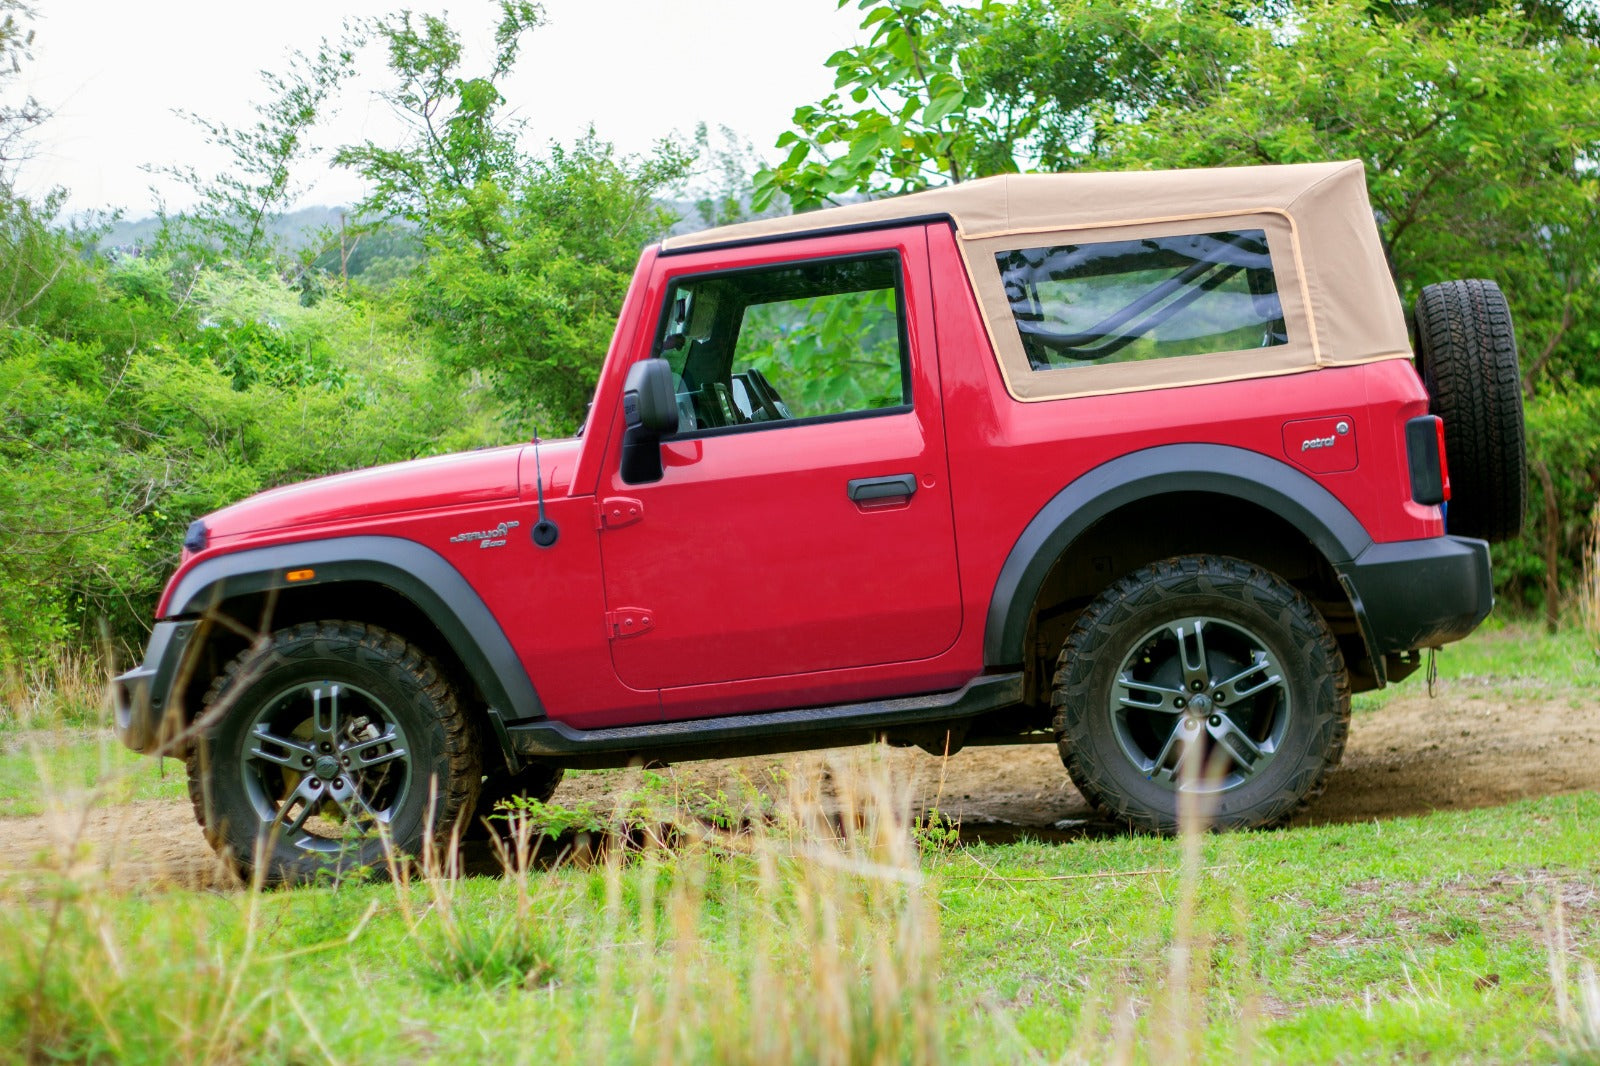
(1322, 445)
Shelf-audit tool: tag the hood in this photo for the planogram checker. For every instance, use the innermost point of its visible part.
(446, 480)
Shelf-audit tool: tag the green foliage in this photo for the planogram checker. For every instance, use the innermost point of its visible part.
(903, 116)
(1478, 122)
(527, 258)
(828, 354)
(1563, 430)
(137, 395)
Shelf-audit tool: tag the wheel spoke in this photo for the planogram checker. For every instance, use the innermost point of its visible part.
(325, 714)
(365, 754)
(1190, 634)
(309, 796)
(1257, 677)
(356, 810)
(297, 753)
(1154, 697)
(1181, 740)
(1247, 754)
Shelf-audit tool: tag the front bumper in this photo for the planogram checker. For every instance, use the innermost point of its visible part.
(1419, 593)
(148, 718)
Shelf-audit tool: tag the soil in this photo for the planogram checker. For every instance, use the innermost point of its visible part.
(1473, 746)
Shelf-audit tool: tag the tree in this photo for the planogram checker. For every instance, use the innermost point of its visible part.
(902, 117)
(236, 208)
(527, 257)
(17, 120)
(1479, 130)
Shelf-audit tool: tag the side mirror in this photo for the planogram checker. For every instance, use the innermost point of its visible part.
(649, 401)
(650, 412)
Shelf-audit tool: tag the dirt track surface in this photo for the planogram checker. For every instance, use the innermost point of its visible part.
(1471, 747)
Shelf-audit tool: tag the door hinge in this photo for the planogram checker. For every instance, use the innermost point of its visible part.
(629, 622)
(619, 511)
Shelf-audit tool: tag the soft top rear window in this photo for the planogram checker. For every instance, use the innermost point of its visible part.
(1146, 298)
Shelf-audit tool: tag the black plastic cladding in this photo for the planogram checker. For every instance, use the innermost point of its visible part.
(416, 572)
(1217, 468)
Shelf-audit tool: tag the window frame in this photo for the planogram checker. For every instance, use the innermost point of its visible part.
(663, 318)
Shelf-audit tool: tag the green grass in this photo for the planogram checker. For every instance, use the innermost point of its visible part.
(38, 765)
(1422, 938)
(1419, 937)
(1521, 651)
(1516, 659)
(1453, 937)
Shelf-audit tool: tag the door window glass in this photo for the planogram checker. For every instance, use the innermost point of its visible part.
(804, 340)
(1151, 298)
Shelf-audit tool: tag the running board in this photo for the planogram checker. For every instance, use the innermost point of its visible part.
(761, 734)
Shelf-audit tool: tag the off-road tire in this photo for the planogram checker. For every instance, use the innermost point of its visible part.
(1240, 600)
(441, 759)
(1467, 355)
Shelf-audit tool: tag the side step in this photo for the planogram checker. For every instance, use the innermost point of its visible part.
(760, 734)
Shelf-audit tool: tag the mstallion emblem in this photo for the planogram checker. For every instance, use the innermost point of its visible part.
(487, 538)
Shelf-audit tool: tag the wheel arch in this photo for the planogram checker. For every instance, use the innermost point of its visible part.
(388, 581)
(1280, 510)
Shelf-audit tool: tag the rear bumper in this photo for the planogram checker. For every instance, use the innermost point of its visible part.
(146, 719)
(1419, 593)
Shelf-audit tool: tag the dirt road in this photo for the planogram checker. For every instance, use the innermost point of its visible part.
(1471, 747)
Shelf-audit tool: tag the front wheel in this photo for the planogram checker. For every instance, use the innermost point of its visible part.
(332, 743)
(1206, 674)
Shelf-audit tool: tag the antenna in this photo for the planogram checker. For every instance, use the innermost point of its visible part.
(545, 531)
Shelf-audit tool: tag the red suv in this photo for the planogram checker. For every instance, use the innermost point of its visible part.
(1140, 465)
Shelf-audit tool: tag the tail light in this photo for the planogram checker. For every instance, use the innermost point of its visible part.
(1430, 473)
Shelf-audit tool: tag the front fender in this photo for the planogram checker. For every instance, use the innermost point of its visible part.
(416, 572)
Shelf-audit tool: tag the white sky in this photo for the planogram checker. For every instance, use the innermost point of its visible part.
(113, 72)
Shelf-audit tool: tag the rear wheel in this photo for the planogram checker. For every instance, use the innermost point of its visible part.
(1201, 674)
(1467, 354)
(333, 742)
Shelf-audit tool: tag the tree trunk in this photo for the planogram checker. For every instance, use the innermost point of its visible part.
(1552, 548)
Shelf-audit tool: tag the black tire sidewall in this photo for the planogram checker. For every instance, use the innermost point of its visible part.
(367, 664)
(1284, 623)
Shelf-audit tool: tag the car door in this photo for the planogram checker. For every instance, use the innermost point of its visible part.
(802, 522)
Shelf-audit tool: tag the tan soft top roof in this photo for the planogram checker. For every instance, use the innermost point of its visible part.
(1338, 294)
(1022, 203)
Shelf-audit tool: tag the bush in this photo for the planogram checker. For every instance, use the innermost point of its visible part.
(1564, 474)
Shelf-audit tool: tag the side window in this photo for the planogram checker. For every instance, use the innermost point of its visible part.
(778, 344)
(1118, 301)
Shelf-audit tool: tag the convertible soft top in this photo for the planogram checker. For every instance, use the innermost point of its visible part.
(1339, 296)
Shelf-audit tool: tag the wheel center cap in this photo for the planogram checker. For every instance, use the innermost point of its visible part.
(1199, 706)
(327, 767)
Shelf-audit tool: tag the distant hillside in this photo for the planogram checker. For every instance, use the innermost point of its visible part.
(298, 229)
(305, 228)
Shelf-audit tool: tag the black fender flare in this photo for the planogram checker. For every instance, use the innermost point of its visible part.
(416, 572)
(1227, 471)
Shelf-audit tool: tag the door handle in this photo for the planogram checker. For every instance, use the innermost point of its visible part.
(863, 489)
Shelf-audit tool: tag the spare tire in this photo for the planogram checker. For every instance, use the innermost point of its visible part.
(1467, 355)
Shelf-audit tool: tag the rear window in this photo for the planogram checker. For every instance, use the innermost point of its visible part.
(1148, 298)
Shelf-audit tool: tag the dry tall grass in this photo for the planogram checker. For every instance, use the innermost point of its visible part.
(1588, 594)
(69, 690)
(808, 935)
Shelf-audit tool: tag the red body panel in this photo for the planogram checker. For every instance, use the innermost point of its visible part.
(747, 580)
